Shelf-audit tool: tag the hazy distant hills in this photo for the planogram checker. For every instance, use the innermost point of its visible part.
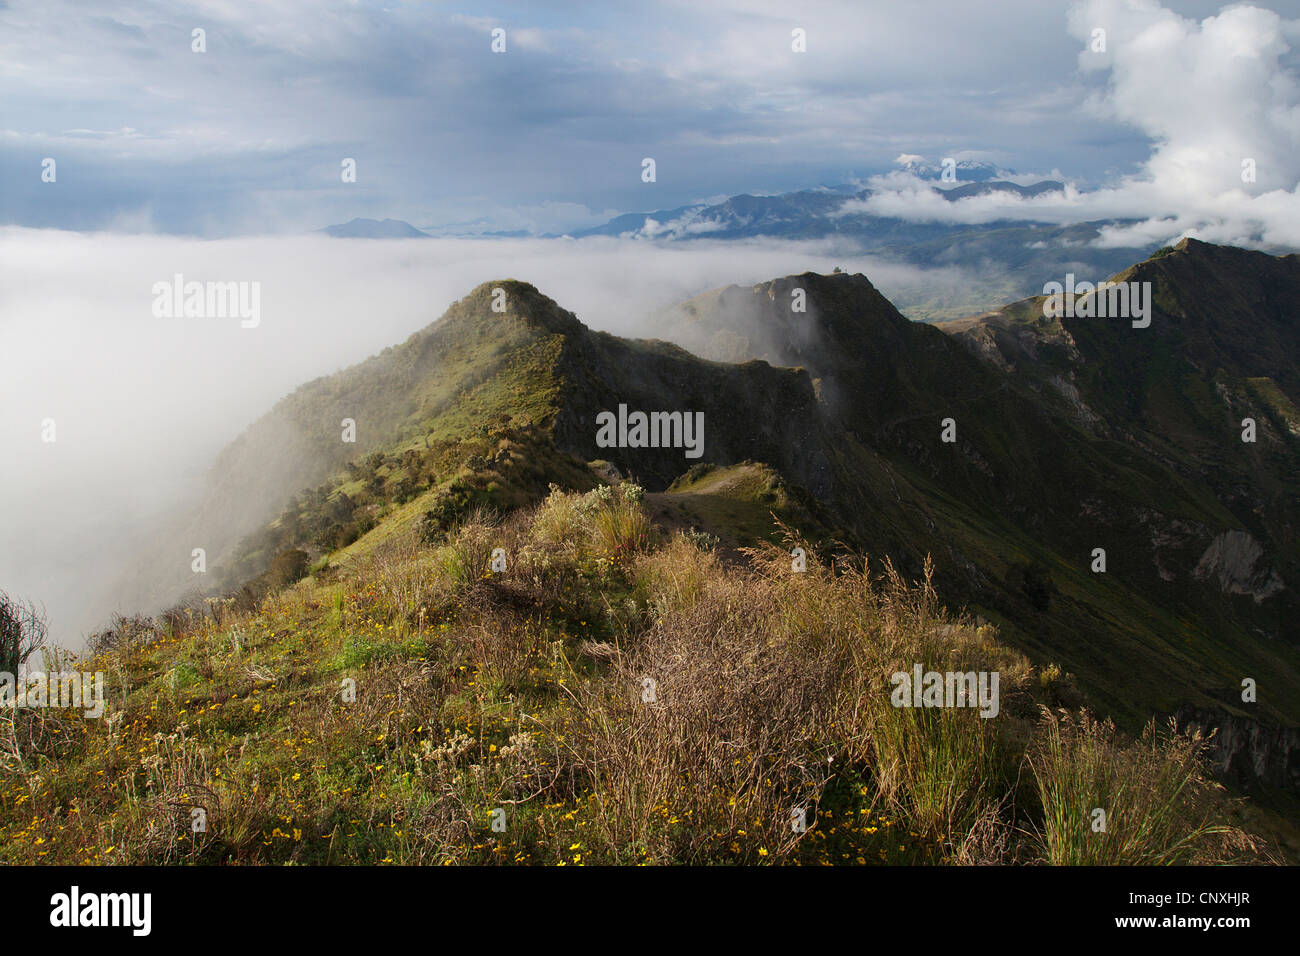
(374, 229)
(800, 215)
(966, 190)
(807, 214)
(1003, 260)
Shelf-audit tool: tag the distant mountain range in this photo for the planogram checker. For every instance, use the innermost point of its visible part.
(1005, 259)
(807, 214)
(375, 229)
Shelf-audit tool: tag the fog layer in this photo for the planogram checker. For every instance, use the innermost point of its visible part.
(138, 405)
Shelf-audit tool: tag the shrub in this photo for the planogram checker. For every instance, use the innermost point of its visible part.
(22, 632)
(610, 523)
(287, 568)
(122, 633)
(767, 685)
(449, 507)
(621, 527)
(561, 520)
(467, 555)
(702, 539)
(179, 620)
(675, 576)
(728, 736)
(620, 532)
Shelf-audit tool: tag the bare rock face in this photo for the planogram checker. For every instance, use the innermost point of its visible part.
(1237, 562)
(982, 340)
(1083, 416)
(1245, 752)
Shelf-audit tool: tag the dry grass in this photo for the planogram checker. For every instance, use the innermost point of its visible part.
(610, 697)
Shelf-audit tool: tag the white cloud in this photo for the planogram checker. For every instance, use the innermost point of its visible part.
(143, 404)
(683, 227)
(287, 88)
(1210, 95)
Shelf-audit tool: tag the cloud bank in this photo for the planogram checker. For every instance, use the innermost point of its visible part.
(1219, 102)
(141, 404)
(247, 137)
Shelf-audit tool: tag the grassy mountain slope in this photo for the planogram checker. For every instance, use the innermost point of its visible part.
(848, 413)
(828, 420)
(488, 408)
(1039, 477)
(1224, 345)
(613, 695)
(456, 614)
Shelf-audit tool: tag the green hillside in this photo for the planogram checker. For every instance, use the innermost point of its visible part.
(613, 694)
(844, 402)
(499, 585)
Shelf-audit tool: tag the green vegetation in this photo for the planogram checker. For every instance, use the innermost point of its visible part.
(500, 597)
(616, 694)
(1266, 391)
(1155, 806)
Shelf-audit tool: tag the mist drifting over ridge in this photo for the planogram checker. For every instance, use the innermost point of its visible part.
(141, 404)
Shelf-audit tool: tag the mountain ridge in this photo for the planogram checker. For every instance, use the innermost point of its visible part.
(359, 228)
(846, 402)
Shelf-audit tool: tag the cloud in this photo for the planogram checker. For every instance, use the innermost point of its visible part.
(142, 404)
(683, 227)
(1214, 98)
(248, 136)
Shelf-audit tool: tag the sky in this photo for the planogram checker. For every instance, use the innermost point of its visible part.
(248, 136)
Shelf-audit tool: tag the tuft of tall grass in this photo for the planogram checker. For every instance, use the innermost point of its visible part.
(675, 576)
(1157, 802)
(561, 520)
(939, 768)
(621, 527)
(467, 555)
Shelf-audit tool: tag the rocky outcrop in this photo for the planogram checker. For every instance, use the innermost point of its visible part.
(1245, 752)
(1236, 561)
